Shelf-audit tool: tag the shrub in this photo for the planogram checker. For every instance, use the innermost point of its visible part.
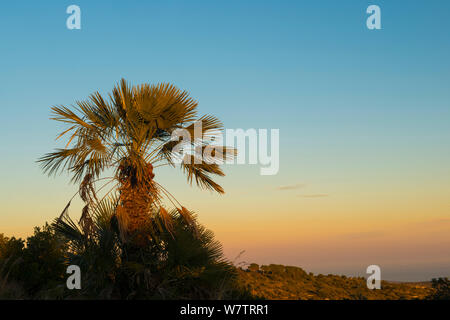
(253, 267)
(36, 267)
(441, 288)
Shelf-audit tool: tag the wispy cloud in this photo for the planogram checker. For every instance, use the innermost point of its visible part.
(315, 195)
(292, 186)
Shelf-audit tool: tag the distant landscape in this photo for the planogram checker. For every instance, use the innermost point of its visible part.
(293, 283)
(35, 268)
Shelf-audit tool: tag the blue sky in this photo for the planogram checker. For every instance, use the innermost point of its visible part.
(358, 110)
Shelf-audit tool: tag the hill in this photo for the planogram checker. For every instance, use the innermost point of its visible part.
(293, 283)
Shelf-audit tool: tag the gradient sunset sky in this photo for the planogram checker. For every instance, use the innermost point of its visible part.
(364, 119)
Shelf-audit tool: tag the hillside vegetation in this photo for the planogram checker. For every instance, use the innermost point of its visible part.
(293, 283)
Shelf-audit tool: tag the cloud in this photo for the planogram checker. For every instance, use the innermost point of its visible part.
(292, 186)
(315, 195)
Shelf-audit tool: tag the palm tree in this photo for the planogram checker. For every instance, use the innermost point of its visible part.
(131, 134)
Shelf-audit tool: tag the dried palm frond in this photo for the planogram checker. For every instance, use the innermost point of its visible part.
(167, 219)
(65, 211)
(186, 215)
(188, 218)
(87, 189)
(86, 223)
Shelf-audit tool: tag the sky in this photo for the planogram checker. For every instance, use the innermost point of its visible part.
(363, 116)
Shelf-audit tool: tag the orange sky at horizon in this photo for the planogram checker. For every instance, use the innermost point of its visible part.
(319, 226)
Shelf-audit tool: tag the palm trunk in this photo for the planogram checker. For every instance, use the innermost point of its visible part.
(135, 203)
(134, 207)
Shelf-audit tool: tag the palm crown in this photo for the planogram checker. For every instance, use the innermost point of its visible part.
(131, 133)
